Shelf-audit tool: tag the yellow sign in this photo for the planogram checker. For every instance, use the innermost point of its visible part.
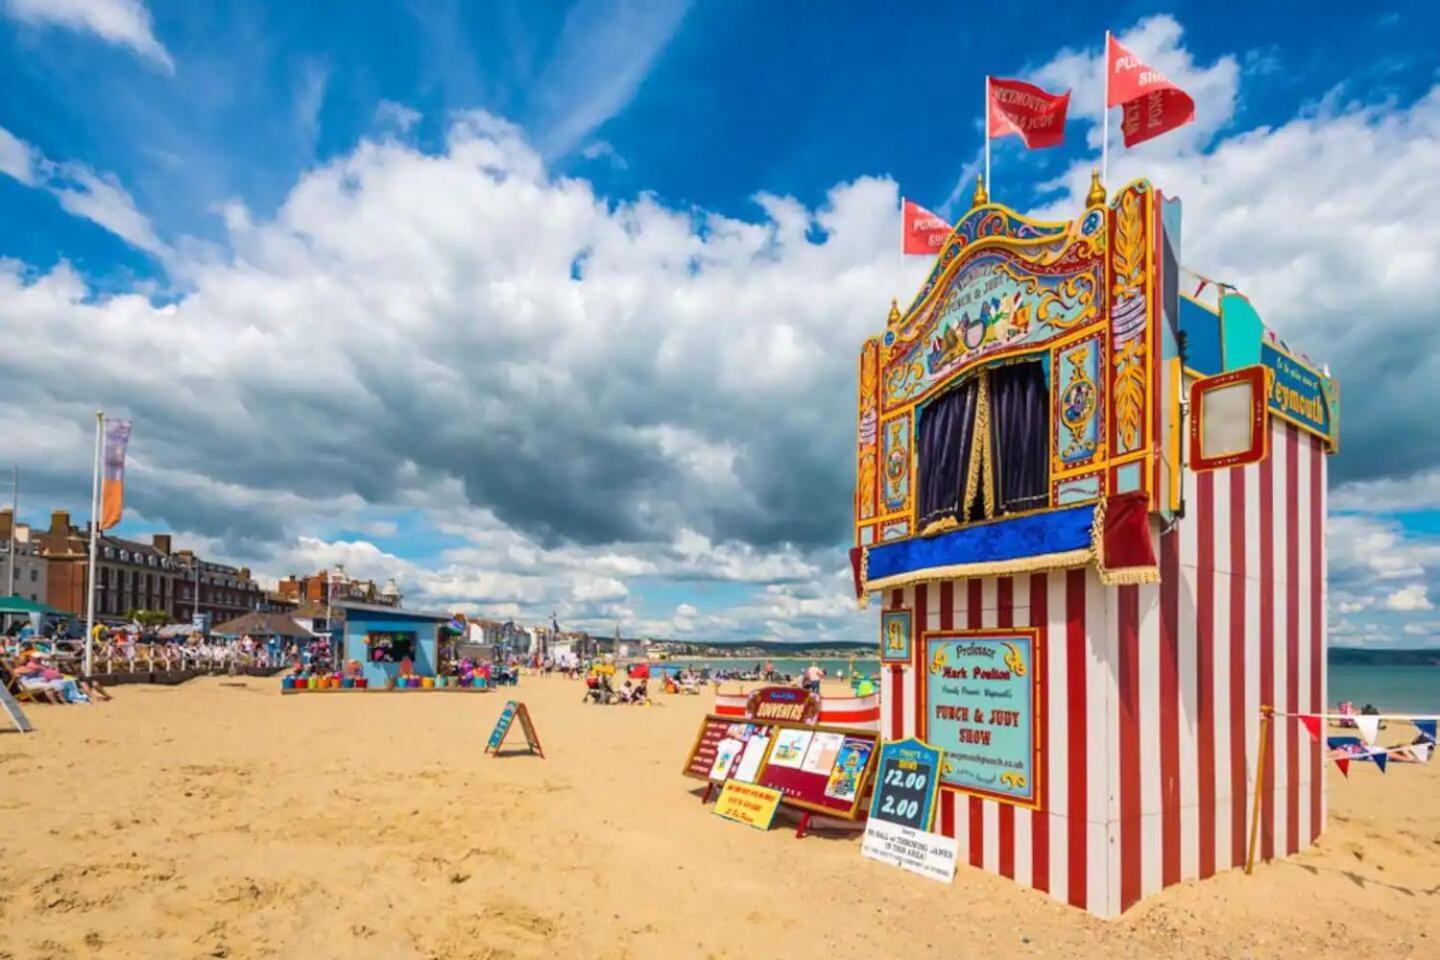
(747, 803)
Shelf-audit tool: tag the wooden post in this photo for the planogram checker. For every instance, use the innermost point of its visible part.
(1265, 712)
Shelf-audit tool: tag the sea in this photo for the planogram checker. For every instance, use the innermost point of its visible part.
(1392, 689)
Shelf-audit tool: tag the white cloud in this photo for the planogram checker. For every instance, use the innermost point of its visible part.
(605, 50)
(123, 22)
(397, 115)
(1409, 599)
(578, 393)
(83, 192)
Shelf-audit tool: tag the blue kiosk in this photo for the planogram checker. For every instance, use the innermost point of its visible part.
(380, 638)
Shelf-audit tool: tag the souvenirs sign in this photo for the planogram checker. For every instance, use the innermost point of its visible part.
(980, 711)
(906, 784)
(821, 769)
(747, 803)
(928, 854)
(787, 704)
(513, 709)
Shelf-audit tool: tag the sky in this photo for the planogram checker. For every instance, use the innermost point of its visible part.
(544, 308)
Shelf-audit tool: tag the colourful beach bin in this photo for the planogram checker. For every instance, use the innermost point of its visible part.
(287, 683)
(313, 683)
(428, 683)
(348, 683)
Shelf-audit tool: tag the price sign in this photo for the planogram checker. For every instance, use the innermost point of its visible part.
(906, 784)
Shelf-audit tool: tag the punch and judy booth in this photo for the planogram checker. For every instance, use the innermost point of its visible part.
(1090, 503)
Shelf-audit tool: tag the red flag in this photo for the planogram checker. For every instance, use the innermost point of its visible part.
(1021, 108)
(1312, 726)
(1153, 105)
(1343, 763)
(921, 231)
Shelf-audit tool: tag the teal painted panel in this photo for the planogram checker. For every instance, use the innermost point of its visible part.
(1242, 330)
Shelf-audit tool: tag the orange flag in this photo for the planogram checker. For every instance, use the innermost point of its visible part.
(112, 490)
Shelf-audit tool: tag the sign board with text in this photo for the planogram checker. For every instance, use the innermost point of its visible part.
(907, 780)
(821, 769)
(747, 803)
(927, 854)
(514, 709)
(980, 711)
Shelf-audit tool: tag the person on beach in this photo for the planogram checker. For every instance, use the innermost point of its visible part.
(812, 677)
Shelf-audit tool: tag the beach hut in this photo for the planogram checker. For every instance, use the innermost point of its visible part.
(1090, 505)
(382, 638)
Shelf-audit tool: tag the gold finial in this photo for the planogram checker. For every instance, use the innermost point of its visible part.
(894, 317)
(1096, 196)
(981, 197)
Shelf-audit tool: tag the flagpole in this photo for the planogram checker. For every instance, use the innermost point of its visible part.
(987, 136)
(94, 530)
(1105, 122)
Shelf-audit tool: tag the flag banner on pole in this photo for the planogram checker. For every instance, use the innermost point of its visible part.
(1152, 104)
(112, 490)
(1379, 758)
(1342, 764)
(1312, 726)
(921, 231)
(1426, 727)
(1034, 115)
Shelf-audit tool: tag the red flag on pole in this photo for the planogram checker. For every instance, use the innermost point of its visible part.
(1311, 723)
(1153, 105)
(921, 231)
(1021, 108)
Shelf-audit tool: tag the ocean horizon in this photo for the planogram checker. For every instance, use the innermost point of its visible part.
(1392, 689)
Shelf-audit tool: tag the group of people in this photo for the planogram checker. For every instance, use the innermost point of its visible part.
(41, 675)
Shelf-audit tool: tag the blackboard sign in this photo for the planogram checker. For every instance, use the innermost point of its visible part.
(513, 709)
(906, 784)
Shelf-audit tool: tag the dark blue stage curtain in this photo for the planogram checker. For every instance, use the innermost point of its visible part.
(1020, 436)
(947, 426)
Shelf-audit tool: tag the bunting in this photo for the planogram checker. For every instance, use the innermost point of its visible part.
(1369, 727)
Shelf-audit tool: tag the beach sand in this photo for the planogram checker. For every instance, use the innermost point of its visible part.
(212, 820)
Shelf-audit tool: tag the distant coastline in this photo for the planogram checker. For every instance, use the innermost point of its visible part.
(1367, 657)
(1339, 656)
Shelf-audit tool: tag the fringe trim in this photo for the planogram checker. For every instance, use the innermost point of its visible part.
(1128, 576)
(942, 525)
(990, 568)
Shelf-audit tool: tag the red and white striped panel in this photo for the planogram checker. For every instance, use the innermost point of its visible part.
(1150, 695)
(860, 713)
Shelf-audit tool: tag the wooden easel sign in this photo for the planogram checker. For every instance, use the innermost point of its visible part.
(513, 709)
(12, 707)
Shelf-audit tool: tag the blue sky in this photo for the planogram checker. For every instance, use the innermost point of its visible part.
(545, 306)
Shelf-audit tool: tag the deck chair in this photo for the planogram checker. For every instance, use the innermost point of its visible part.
(21, 692)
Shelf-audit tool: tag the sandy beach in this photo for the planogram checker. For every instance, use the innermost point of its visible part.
(220, 819)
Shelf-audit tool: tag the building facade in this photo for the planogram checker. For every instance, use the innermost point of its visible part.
(217, 591)
(30, 580)
(130, 576)
(343, 589)
(133, 577)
